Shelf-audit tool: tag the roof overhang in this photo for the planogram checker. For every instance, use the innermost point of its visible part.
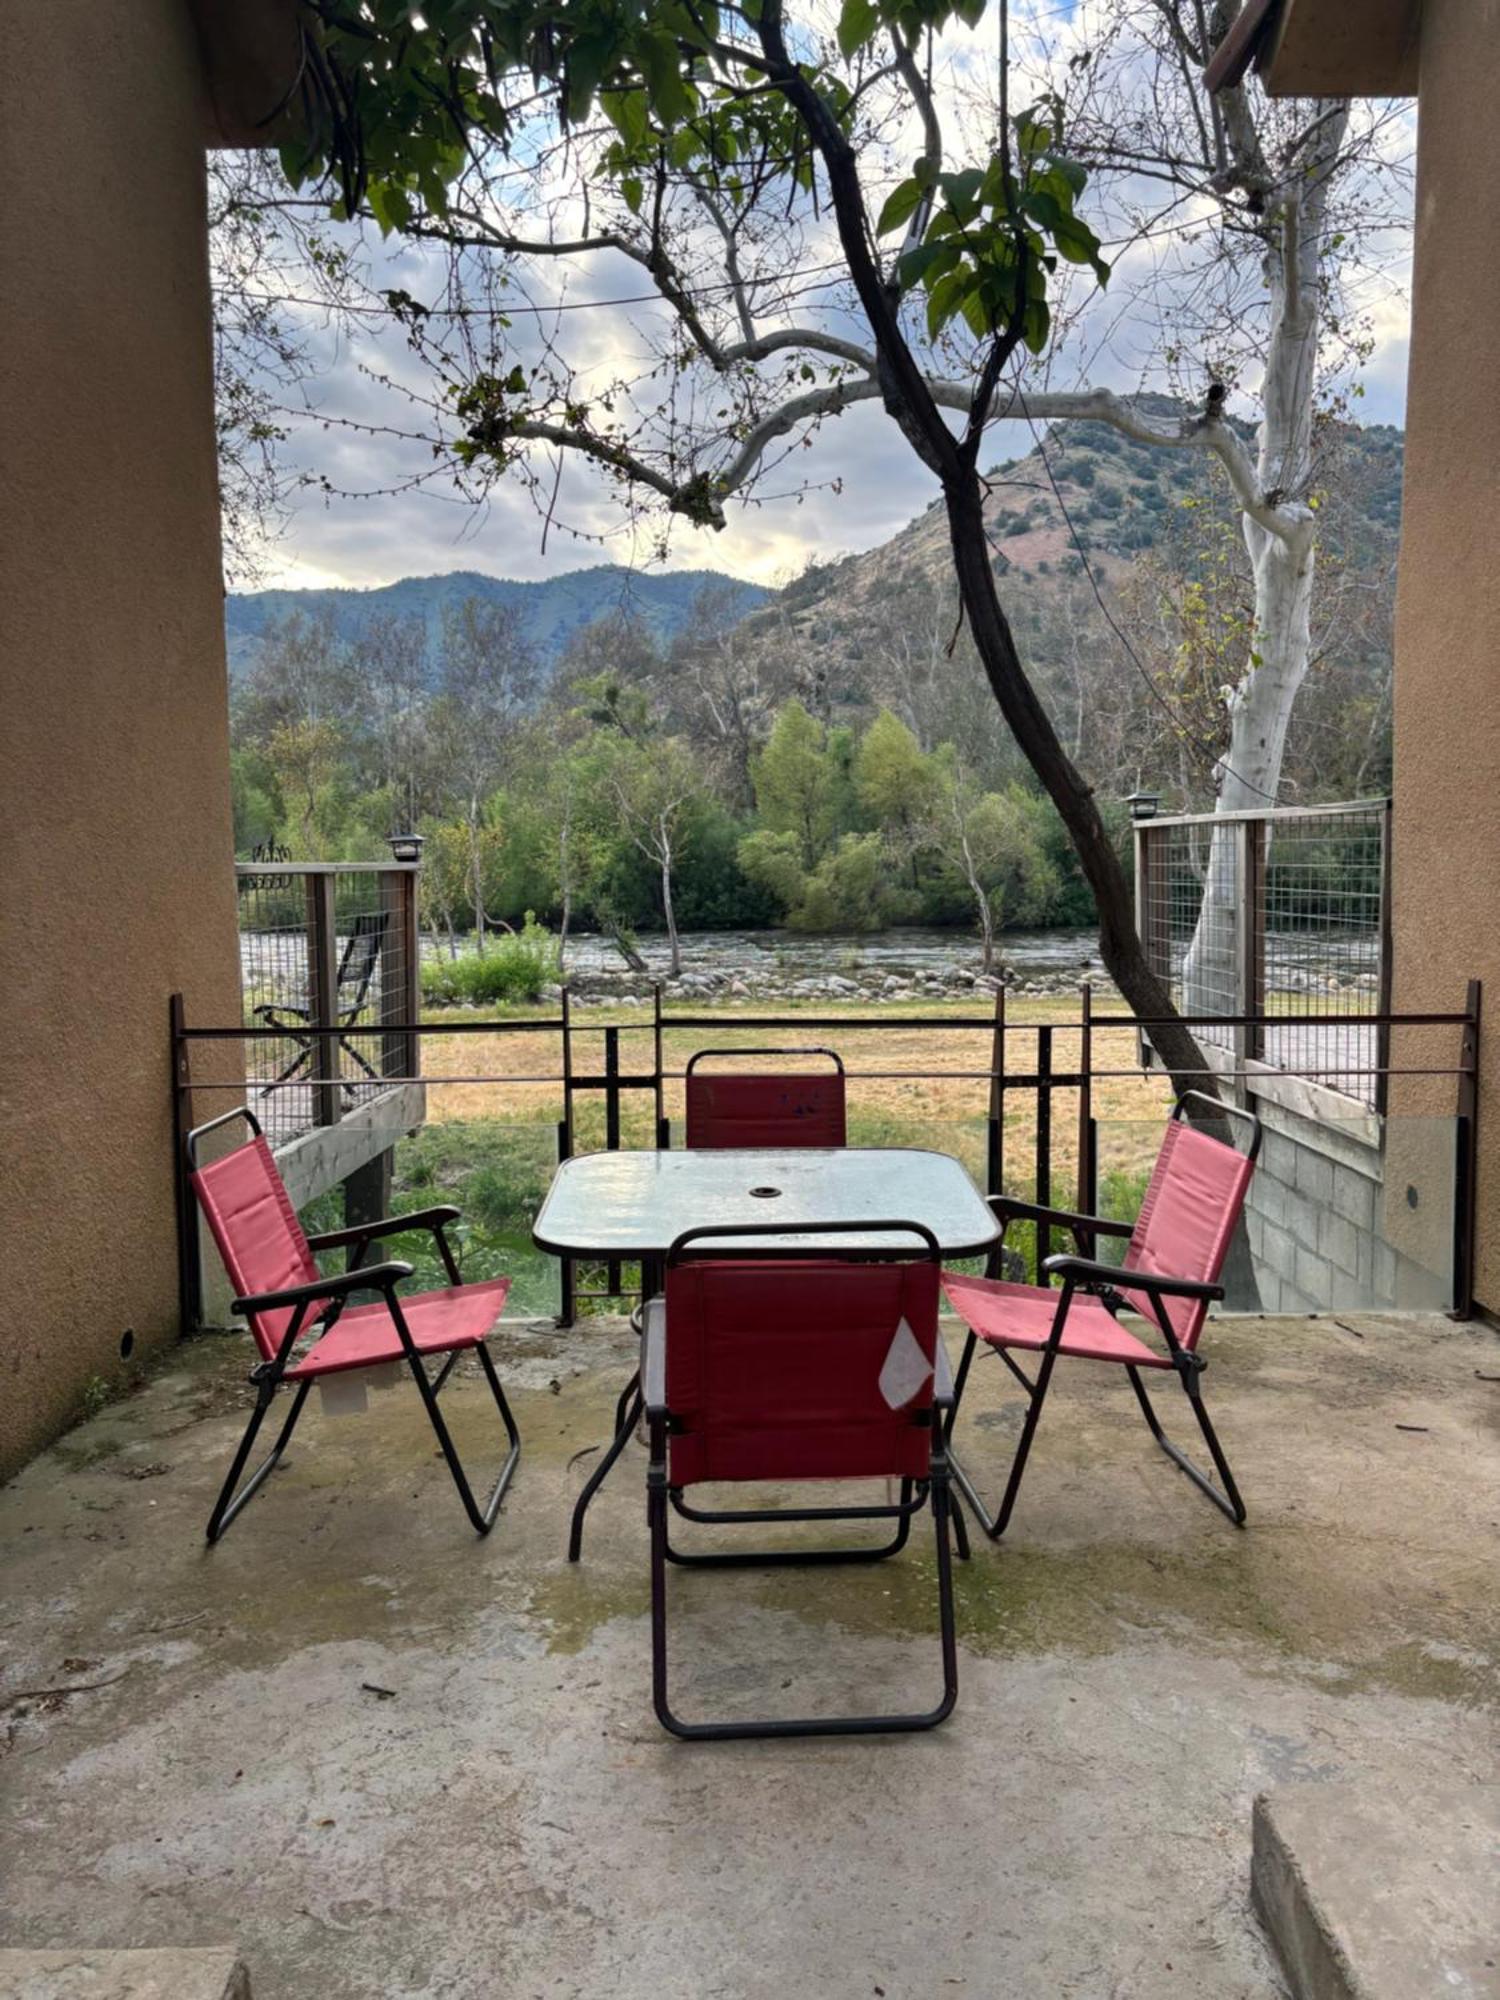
(1322, 48)
(252, 65)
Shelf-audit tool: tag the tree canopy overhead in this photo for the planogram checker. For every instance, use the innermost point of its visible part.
(824, 206)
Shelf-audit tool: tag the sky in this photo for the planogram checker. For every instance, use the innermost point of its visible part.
(855, 485)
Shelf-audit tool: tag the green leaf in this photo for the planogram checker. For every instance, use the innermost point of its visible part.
(628, 113)
(389, 205)
(1037, 324)
(632, 192)
(900, 206)
(925, 263)
(977, 313)
(945, 297)
(1076, 176)
(962, 192)
(858, 20)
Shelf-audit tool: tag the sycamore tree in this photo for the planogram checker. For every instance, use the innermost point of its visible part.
(817, 208)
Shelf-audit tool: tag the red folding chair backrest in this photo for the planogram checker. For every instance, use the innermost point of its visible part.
(764, 1110)
(260, 1239)
(1187, 1219)
(788, 1370)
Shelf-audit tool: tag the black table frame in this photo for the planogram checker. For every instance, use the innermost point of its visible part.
(652, 1258)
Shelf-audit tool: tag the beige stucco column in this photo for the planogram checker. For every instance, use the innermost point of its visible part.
(115, 839)
(1447, 681)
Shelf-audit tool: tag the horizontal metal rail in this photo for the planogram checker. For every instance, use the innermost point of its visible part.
(977, 1022)
(1041, 1078)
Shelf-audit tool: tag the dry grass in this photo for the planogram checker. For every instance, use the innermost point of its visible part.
(944, 1107)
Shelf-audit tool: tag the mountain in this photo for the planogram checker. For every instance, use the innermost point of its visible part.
(551, 610)
(1085, 502)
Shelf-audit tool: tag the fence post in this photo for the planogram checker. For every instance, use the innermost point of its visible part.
(663, 1126)
(400, 972)
(323, 994)
(567, 1277)
(1088, 1167)
(1143, 928)
(613, 1275)
(1467, 1138)
(1249, 989)
(1384, 974)
(189, 1267)
(1043, 1144)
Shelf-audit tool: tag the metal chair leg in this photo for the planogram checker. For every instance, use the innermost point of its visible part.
(994, 1525)
(601, 1472)
(843, 1725)
(483, 1519)
(225, 1510)
(1229, 1502)
(625, 1399)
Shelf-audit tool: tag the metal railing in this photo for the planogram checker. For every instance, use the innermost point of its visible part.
(1273, 928)
(330, 963)
(1054, 1064)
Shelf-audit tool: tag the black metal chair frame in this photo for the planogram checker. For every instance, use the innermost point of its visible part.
(701, 1054)
(916, 1496)
(268, 1376)
(629, 1408)
(1081, 1273)
(357, 963)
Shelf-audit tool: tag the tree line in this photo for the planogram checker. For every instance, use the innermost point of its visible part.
(711, 782)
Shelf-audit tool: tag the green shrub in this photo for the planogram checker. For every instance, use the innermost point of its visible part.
(509, 968)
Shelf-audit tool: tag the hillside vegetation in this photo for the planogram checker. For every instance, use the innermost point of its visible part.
(828, 758)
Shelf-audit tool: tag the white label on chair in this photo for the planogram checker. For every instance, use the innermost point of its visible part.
(345, 1394)
(905, 1368)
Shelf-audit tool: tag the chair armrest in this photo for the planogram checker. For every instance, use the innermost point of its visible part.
(373, 1276)
(1084, 1271)
(654, 1357)
(388, 1225)
(1006, 1211)
(272, 1008)
(942, 1378)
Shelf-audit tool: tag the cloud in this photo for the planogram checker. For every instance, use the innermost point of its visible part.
(379, 506)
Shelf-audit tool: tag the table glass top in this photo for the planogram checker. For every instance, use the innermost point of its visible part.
(637, 1204)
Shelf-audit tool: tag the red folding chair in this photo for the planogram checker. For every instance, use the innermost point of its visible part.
(283, 1295)
(812, 1365)
(1168, 1275)
(722, 1111)
(764, 1110)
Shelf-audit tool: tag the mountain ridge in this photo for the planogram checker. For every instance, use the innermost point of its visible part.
(552, 609)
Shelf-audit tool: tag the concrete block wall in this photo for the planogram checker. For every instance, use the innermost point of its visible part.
(1315, 1216)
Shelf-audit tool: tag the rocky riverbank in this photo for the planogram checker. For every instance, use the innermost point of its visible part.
(872, 987)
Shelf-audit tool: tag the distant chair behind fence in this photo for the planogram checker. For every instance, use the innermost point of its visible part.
(765, 1108)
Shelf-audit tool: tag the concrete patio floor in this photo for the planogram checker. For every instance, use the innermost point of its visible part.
(383, 1758)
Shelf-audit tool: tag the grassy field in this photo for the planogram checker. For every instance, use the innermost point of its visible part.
(490, 1146)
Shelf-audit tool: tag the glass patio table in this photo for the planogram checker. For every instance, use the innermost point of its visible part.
(636, 1205)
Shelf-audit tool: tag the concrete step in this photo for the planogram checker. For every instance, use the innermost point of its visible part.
(212, 1974)
(1373, 1893)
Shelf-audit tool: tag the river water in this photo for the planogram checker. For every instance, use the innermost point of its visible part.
(787, 956)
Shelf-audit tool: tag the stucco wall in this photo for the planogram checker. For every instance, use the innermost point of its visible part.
(1447, 728)
(115, 840)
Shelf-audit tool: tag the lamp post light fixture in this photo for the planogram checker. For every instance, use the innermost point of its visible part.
(1143, 805)
(406, 846)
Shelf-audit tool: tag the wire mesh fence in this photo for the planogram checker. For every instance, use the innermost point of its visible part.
(325, 948)
(1258, 916)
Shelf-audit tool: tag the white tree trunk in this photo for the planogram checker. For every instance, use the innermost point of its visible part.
(1282, 563)
(1259, 712)
(674, 960)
